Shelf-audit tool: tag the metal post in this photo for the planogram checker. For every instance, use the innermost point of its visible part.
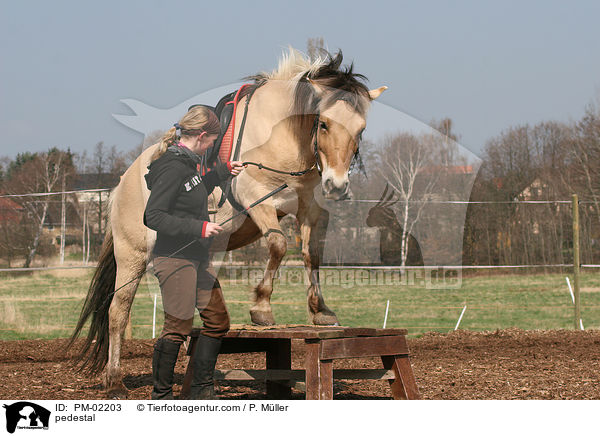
(576, 262)
(87, 233)
(100, 216)
(83, 232)
(63, 223)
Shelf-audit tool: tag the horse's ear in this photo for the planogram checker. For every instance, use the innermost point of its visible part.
(381, 200)
(374, 93)
(319, 90)
(390, 197)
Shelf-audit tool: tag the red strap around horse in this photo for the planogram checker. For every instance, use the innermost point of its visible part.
(226, 148)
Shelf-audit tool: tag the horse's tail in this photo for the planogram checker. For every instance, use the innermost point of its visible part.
(94, 353)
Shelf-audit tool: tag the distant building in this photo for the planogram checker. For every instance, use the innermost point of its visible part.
(94, 181)
(10, 211)
(82, 208)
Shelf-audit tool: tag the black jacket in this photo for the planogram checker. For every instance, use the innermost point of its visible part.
(178, 205)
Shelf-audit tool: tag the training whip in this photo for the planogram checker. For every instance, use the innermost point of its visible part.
(260, 200)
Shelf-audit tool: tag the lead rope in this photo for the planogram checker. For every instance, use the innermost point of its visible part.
(297, 173)
(288, 173)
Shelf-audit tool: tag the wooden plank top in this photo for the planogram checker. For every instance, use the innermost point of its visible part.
(305, 332)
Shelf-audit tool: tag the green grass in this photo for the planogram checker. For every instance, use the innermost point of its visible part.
(47, 305)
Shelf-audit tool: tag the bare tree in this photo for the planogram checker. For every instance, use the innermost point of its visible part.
(150, 139)
(80, 160)
(99, 166)
(4, 164)
(522, 163)
(11, 236)
(404, 160)
(315, 47)
(585, 155)
(42, 174)
(98, 161)
(116, 162)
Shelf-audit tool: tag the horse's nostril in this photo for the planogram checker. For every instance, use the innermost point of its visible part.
(328, 185)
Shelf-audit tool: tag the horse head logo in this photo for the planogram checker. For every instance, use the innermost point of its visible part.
(26, 415)
(396, 247)
(382, 214)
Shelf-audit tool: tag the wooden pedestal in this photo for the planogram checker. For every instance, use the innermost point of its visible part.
(322, 345)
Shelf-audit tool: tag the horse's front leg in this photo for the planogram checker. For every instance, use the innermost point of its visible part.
(313, 226)
(265, 217)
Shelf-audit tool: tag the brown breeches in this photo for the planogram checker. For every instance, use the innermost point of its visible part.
(186, 285)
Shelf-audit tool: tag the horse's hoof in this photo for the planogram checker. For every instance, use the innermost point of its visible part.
(321, 318)
(117, 393)
(262, 318)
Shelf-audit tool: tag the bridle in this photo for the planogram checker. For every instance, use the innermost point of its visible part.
(317, 164)
(315, 133)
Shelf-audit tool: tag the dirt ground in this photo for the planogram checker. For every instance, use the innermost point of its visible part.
(506, 364)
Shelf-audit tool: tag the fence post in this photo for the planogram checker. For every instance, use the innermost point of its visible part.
(83, 233)
(63, 222)
(576, 262)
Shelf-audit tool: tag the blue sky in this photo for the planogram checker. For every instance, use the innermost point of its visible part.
(65, 66)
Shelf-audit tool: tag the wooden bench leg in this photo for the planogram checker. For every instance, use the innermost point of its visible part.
(404, 386)
(319, 374)
(279, 356)
(326, 379)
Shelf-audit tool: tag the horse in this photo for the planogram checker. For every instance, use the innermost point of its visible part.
(305, 115)
(391, 233)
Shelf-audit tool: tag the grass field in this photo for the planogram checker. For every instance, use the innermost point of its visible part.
(47, 305)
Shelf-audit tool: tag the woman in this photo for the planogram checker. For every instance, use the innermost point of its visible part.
(178, 210)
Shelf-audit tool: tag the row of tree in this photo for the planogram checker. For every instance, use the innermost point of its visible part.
(26, 220)
(432, 180)
(546, 162)
(423, 183)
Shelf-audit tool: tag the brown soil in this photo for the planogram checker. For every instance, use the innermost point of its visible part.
(506, 364)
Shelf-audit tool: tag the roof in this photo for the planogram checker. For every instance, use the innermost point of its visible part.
(9, 210)
(7, 203)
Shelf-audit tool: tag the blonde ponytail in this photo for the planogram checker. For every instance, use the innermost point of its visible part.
(169, 138)
(198, 119)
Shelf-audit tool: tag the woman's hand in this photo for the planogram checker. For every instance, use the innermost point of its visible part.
(236, 167)
(212, 229)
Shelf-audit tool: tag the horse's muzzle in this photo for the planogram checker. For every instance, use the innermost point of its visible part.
(335, 191)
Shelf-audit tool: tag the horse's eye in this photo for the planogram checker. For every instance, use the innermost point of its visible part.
(323, 125)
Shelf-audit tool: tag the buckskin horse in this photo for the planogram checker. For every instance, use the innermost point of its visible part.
(303, 124)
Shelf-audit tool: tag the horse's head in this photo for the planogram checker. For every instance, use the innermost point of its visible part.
(382, 214)
(332, 103)
(339, 126)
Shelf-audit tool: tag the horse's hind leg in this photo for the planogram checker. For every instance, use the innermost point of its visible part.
(118, 316)
(266, 219)
(313, 226)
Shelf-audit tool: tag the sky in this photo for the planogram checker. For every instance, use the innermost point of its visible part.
(65, 66)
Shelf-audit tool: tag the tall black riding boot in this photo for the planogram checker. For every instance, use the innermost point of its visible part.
(163, 367)
(205, 358)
